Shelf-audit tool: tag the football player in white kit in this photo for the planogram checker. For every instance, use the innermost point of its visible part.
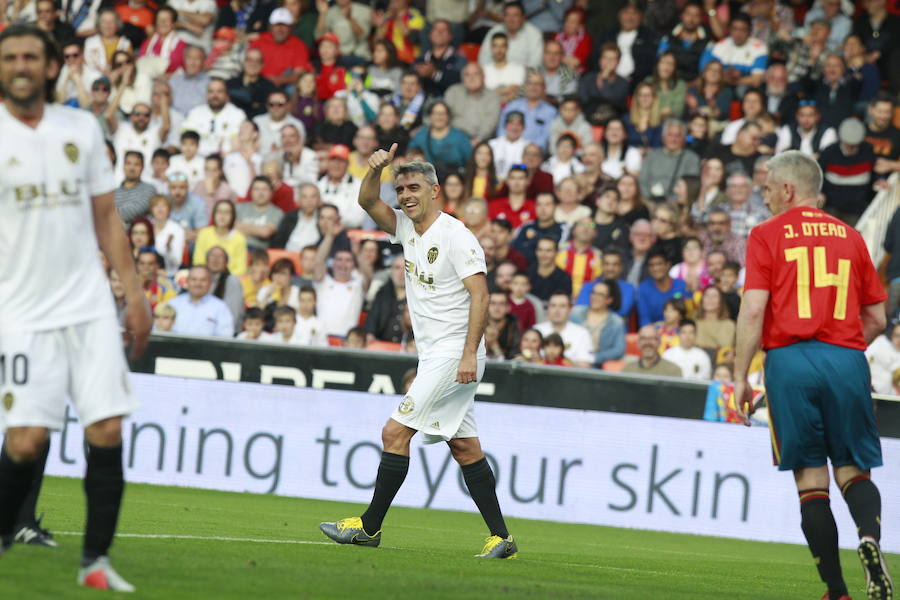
(447, 294)
(59, 334)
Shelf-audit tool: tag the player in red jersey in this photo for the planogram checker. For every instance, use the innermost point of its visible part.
(813, 299)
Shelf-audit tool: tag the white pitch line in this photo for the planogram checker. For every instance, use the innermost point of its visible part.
(167, 536)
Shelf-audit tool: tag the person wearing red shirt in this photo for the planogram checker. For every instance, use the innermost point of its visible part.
(813, 299)
(285, 55)
(331, 77)
(581, 260)
(516, 207)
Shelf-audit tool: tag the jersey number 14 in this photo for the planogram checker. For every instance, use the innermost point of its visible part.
(821, 278)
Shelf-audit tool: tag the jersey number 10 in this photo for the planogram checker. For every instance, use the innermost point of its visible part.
(821, 278)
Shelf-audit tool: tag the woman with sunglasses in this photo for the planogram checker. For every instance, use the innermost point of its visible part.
(129, 85)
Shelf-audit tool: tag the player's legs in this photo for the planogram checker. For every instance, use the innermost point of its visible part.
(28, 527)
(480, 481)
(21, 450)
(104, 483)
(392, 471)
(819, 527)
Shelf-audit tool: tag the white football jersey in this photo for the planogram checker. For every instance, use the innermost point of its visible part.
(50, 273)
(436, 264)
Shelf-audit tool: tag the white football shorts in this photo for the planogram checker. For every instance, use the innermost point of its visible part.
(436, 405)
(84, 362)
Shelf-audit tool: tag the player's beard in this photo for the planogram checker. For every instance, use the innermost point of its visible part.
(24, 101)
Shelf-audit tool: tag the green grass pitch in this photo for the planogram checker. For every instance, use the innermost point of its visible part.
(252, 546)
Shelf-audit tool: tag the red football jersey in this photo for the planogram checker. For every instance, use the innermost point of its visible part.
(499, 208)
(819, 275)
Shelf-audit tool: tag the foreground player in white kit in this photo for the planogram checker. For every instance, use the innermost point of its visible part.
(447, 294)
(58, 330)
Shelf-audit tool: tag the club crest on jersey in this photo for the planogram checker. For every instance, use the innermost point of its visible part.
(407, 406)
(8, 401)
(432, 255)
(71, 151)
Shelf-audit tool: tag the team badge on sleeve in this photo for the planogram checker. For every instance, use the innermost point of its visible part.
(407, 406)
(432, 255)
(71, 151)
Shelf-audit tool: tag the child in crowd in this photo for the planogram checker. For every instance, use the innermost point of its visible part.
(728, 285)
(256, 277)
(309, 329)
(163, 318)
(674, 312)
(519, 306)
(188, 162)
(554, 351)
(159, 165)
(254, 322)
(280, 292)
(285, 326)
(356, 338)
(723, 374)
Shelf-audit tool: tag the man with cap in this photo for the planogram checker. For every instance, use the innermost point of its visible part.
(341, 189)
(509, 147)
(285, 54)
(847, 167)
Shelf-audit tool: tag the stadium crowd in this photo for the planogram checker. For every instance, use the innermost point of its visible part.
(611, 168)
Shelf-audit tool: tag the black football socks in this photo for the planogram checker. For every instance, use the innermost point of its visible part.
(391, 474)
(104, 483)
(482, 487)
(821, 534)
(15, 481)
(27, 512)
(864, 502)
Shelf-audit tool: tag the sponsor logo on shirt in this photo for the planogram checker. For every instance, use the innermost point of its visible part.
(424, 279)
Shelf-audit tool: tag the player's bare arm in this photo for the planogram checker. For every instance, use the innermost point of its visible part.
(874, 321)
(111, 236)
(749, 332)
(370, 191)
(476, 285)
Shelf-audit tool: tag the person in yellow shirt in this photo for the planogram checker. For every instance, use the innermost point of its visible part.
(256, 277)
(157, 287)
(222, 233)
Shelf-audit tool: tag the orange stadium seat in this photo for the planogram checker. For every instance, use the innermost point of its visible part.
(631, 345)
(470, 51)
(613, 365)
(358, 235)
(276, 254)
(335, 341)
(384, 346)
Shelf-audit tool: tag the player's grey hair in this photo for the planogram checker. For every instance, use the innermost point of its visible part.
(426, 169)
(798, 168)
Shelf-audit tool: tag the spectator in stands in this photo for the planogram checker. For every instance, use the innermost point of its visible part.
(158, 289)
(884, 359)
(217, 121)
(444, 146)
(410, 101)
(384, 321)
(858, 68)
(516, 207)
(710, 96)
(522, 305)
(351, 23)
(604, 86)
(441, 65)
(715, 263)
(712, 188)
(46, 17)
(502, 75)
(250, 90)
(727, 282)
(389, 130)
(163, 318)
(213, 187)
(662, 167)
(480, 174)
(570, 210)
(692, 268)
(76, 77)
(283, 196)
(223, 233)
(834, 93)
(225, 59)
(101, 108)
(271, 124)
(168, 234)
(299, 228)
(188, 210)
(592, 178)
(130, 85)
(287, 332)
(665, 227)
(544, 225)
(133, 196)
(668, 87)
(847, 166)
(362, 103)
(162, 113)
(189, 161)
(530, 347)
(571, 121)
(331, 77)
(137, 134)
(199, 312)
(340, 295)
(475, 109)
(309, 329)
(650, 361)
(883, 136)
(253, 325)
(140, 235)
(546, 278)
(687, 41)
(780, 100)
(564, 163)
(743, 57)
(600, 318)
(256, 277)
(554, 349)
(299, 164)
(339, 188)
(610, 229)
(280, 292)
(693, 361)
(878, 30)
(576, 338)
(612, 271)
(806, 134)
(509, 147)
(505, 341)
(718, 235)
(383, 72)
(285, 54)
(335, 128)
(258, 220)
(715, 329)
(580, 259)
(574, 41)
(165, 43)
(560, 80)
(539, 181)
(744, 211)
(224, 285)
(538, 113)
(619, 156)
(642, 239)
(475, 217)
(525, 40)
(190, 84)
(643, 121)
(659, 287)
(636, 42)
(830, 11)
(741, 155)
